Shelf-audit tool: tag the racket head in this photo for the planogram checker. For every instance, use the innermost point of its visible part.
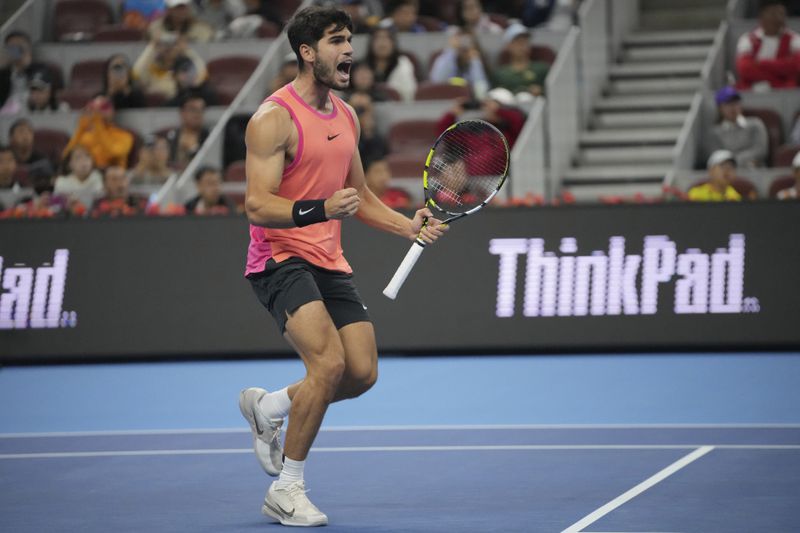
(465, 168)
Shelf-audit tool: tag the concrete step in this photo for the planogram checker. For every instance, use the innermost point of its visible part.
(662, 119)
(616, 174)
(594, 192)
(674, 37)
(640, 155)
(673, 102)
(695, 18)
(631, 137)
(655, 70)
(666, 53)
(648, 5)
(654, 85)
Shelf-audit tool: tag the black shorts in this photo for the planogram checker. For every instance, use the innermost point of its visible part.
(285, 286)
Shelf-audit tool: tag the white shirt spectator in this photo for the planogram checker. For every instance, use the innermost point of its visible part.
(402, 79)
(86, 191)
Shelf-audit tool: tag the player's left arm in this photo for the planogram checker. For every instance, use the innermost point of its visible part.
(374, 212)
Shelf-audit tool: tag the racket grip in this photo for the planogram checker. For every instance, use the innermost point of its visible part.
(403, 270)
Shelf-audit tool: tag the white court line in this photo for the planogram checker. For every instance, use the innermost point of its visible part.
(432, 427)
(363, 449)
(597, 514)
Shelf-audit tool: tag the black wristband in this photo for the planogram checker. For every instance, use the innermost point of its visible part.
(305, 212)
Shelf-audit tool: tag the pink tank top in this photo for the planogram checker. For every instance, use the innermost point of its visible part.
(325, 147)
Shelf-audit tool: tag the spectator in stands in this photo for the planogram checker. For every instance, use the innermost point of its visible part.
(41, 94)
(80, 182)
(461, 60)
(537, 12)
(378, 176)
(16, 72)
(180, 20)
(118, 84)
(107, 143)
(44, 203)
(287, 72)
(265, 9)
(746, 137)
(359, 13)
(8, 167)
(497, 109)
(152, 168)
(792, 193)
(372, 145)
(139, 14)
(362, 81)
(389, 65)
(473, 20)
(721, 171)
(219, 13)
(520, 74)
(186, 139)
(403, 17)
(116, 200)
(188, 82)
(209, 199)
(154, 69)
(769, 56)
(20, 138)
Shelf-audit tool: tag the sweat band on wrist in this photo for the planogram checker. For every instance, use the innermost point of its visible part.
(305, 212)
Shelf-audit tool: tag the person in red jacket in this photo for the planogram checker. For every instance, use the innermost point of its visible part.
(769, 56)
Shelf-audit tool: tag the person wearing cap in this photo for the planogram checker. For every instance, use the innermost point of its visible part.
(746, 137)
(793, 192)
(721, 171)
(521, 74)
(179, 19)
(107, 143)
(18, 66)
(41, 96)
(154, 70)
(769, 56)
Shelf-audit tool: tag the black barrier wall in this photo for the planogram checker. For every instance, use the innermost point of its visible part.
(676, 276)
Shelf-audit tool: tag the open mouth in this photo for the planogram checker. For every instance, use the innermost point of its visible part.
(344, 67)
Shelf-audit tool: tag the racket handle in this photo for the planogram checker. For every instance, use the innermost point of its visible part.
(403, 270)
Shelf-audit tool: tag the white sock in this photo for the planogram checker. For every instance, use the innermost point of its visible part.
(276, 404)
(292, 471)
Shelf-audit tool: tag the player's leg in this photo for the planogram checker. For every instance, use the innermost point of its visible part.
(361, 360)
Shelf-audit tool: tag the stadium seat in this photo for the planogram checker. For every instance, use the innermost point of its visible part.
(236, 172)
(79, 19)
(390, 92)
(431, 23)
(406, 165)
(227, 75)
(538, 53)
(155, 99)
(50, 143)
(133, 156)
(412, 136)
(118, 33)
(55, 74)
(784, 154)
(780, 183)
(85, 81)
(447, 10)
(285, 8)
(772, 121)
(441, 91)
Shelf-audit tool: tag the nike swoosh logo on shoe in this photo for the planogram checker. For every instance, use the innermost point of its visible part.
(279, 509)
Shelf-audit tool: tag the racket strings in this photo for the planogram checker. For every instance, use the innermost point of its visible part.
(468, 164)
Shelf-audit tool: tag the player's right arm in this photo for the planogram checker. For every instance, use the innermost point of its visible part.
(268, 137)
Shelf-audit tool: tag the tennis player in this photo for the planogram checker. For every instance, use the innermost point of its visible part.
(304, 175)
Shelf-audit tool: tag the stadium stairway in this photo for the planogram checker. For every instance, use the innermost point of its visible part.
(628, 146)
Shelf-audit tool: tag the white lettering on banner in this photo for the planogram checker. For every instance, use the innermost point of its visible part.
(606, 283)
(33, 298)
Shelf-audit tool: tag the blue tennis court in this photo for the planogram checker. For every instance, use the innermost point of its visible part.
(635, 443)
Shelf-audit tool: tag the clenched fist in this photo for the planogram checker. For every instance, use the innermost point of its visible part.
(344, 203)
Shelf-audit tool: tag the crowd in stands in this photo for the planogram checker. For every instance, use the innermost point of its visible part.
(101, 159)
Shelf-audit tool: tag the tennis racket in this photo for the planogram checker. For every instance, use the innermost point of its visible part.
(464, 170)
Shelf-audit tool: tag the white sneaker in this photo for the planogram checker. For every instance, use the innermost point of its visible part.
(266, 432)
(290, 506)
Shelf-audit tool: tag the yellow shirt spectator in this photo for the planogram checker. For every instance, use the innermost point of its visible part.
(708, 193)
